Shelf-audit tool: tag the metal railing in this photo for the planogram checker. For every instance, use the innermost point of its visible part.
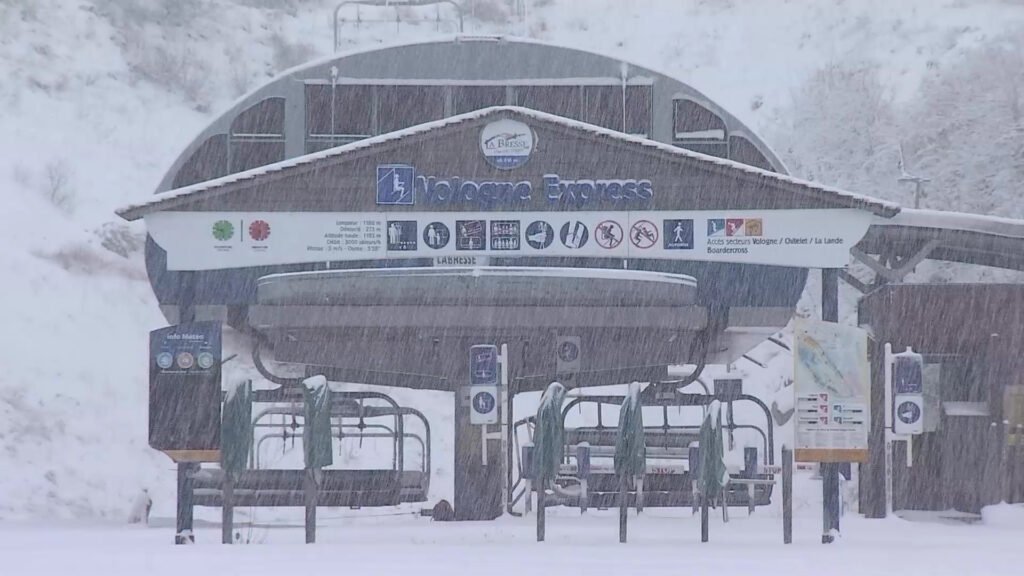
(397, 5)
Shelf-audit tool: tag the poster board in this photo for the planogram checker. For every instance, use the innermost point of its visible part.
(832, 382)
(185, 391)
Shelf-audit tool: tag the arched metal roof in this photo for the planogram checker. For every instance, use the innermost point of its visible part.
(462, 60)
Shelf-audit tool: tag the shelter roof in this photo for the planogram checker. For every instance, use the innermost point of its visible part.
(949, 236)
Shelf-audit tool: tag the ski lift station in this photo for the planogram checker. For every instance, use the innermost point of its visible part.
(482, 217)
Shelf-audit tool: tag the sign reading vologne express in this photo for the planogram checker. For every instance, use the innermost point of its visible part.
(613, 219)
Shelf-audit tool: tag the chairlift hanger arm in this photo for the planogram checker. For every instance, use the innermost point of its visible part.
(257, 361)
(718, 319)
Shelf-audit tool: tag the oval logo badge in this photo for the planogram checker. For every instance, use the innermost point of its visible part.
(506, 144)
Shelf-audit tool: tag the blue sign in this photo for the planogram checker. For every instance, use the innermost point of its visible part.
(176, 349)
(907, 376)
(185, 387)
(504, 234)
(483, 402)
(401, 235)
(396, 185)
(678, 234)
(716, 227)
(470, 234)
(908, 412)
(483, 365)
(436, 235)
(574, 234)
(539, 235)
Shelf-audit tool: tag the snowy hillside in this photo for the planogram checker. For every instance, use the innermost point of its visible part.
(100, 96)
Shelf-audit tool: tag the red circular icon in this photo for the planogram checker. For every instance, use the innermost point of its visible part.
(643, 234)
(608, 234)
(259, 230)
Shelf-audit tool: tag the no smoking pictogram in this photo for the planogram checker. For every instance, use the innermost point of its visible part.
(643, 234)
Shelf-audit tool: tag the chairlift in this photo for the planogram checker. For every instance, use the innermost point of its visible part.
(671, 447)
(377, 416)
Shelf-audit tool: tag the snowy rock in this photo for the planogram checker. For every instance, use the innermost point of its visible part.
(140, 509)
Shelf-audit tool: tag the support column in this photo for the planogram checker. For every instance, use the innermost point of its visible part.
(310, 489)
(829, 470)
(183, 526)
(227, 509)
(186, 298)
(872, 472)
(186, 470)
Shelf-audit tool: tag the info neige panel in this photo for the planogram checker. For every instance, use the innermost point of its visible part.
(185, 387)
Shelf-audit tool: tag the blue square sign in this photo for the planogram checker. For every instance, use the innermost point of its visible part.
(395, 184)
(678, 234)
(907, 376)
(483, 365)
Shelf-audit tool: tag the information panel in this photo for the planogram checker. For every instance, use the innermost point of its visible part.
(833, 384)
(185, 390)
(215, 240)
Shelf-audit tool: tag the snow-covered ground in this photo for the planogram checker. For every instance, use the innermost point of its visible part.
(99, 97)
(659, 543)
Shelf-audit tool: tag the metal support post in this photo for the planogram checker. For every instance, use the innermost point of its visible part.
(830, 513)
(623, 507)
(704, 513)
(503, 414)
(186, 470)
(227, 509)
(787, 495)
(186, 480)
(310, 487)
(829, 470)
(694, 460)
(541, 513)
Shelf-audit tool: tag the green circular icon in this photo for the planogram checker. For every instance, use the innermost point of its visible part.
(223, 230)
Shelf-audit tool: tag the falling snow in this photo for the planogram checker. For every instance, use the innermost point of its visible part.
(857, 98)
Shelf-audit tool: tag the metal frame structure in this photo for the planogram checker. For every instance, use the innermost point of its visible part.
(339, 487)
(397, 5)
(664, 485)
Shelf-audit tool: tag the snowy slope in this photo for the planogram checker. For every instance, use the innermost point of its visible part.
(100, 96)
